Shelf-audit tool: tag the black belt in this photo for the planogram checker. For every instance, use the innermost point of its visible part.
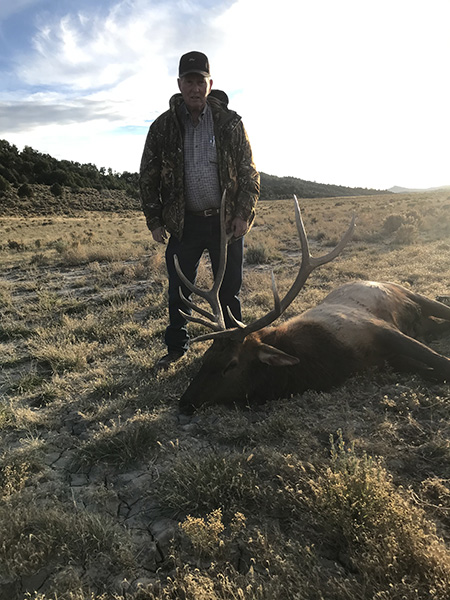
(208, 212)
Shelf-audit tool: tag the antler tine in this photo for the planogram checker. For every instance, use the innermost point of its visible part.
(233, 319)
(216, 320)
(205, 313)
(276, 296)
(308, 264)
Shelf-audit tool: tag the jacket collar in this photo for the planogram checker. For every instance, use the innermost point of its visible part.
(217, 100)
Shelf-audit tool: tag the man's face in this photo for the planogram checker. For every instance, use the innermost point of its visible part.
(195, 89)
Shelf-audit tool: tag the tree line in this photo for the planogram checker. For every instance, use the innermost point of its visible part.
(19, 170)
(33, 167)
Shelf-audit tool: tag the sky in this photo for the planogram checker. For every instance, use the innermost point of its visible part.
(345, 92)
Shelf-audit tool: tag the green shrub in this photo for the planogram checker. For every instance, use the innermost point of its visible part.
(4, 184)
(25, 191)
(376, 525)
(57, 189)
(392, 223)
(406, 234)
(257, 254)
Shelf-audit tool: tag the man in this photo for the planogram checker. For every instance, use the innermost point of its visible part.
(193, 152)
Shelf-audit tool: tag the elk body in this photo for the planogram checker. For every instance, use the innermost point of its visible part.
(357, 326)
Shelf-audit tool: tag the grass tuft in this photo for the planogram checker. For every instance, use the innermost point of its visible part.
(124, 442)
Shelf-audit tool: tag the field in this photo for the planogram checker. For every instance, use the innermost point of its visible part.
(108, 493)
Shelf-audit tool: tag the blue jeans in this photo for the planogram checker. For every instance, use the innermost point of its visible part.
(200, 233)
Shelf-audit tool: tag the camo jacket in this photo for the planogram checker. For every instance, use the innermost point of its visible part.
(161, 177)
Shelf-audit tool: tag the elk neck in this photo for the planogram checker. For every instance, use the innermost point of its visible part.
(323, 360)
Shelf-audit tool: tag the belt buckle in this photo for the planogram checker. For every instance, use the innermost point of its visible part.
(208, 212)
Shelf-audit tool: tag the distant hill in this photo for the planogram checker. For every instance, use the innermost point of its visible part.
(402, 190)
(273, 187)
(34, 182)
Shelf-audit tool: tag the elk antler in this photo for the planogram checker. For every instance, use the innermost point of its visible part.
(308, 264)
(216, 320)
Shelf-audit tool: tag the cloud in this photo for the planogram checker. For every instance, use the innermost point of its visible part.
(123, 55)
(20, 116)
(338, 92)
(95, 48)
(107, 62)
(103, 73)
(7, 9)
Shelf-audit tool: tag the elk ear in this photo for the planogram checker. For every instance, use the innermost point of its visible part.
(274, 357)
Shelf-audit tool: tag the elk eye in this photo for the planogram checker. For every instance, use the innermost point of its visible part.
(230, 366)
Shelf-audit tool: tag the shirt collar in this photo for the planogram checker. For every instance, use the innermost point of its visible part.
(187, 114)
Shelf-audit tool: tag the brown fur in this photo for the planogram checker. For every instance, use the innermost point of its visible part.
(357, 326)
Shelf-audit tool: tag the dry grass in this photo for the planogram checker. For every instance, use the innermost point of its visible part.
(331, 496)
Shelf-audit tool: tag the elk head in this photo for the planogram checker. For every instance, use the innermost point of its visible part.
(236, 368)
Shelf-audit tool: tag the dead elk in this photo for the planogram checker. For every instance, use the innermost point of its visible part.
(359, 325)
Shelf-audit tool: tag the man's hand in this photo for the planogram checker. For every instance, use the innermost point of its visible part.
(239, 227)
(160, 235)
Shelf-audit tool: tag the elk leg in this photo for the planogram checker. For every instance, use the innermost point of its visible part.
(433, 328)
(408, 354)
(431, 308)
(406, 364)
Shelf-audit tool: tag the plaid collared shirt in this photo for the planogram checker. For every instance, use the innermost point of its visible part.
(201, 173)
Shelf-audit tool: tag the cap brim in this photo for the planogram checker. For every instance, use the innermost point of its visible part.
(204, 73)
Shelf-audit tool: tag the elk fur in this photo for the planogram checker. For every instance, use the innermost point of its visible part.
(357, 326)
